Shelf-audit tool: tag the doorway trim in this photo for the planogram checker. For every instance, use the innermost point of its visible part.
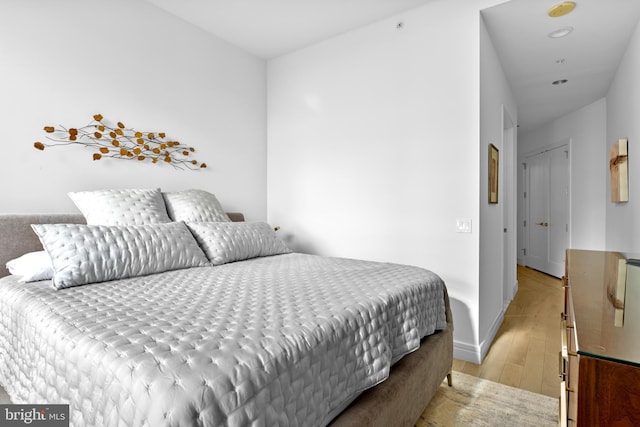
(509, 208)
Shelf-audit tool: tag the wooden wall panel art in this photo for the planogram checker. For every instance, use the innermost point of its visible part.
(618, 165)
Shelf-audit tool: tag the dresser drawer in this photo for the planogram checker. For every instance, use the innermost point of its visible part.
(568, 362)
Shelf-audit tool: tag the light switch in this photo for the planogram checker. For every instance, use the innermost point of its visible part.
(463, 225)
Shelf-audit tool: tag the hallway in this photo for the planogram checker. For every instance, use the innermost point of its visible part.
(524, 353)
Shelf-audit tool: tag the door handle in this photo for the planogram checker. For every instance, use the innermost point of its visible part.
(542, 224)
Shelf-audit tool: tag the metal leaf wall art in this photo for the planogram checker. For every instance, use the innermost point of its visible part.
(121, 142)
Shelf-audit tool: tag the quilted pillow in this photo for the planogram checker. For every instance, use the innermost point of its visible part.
(32, 267)
(121, 207)
(225, 242)
(194, 206)
(83, 254)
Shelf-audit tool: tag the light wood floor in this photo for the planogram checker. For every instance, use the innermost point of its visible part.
(524, 353)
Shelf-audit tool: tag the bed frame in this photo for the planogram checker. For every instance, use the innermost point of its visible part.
(397, 401)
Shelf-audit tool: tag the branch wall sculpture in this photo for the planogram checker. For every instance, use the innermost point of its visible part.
(120, 142)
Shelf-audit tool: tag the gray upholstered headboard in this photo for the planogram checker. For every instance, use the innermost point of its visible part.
(17, 238)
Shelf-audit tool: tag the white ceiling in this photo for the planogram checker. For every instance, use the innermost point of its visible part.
(270, 28)
(588, 57)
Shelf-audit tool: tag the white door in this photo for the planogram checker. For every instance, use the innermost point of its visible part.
(558, 227)
(538, 195)
(547, 219)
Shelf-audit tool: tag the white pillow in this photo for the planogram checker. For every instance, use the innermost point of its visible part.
(225, 242)
(32, 266)
(194, 206)
(121, 207)
(83, 254)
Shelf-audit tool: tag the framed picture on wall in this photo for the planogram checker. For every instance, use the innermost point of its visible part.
(493, 173)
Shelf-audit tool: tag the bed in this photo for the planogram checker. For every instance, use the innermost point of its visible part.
(230, 344)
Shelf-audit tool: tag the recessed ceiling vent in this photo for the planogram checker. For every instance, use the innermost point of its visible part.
(560, 32)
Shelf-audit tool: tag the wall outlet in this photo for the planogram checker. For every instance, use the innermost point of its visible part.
(463, 225)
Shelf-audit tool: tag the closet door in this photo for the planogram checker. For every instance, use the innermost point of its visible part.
(547, 223)
(538, 194)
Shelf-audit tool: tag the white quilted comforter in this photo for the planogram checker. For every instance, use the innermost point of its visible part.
(281, 340)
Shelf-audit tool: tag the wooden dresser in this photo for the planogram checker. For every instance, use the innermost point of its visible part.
(600, 357)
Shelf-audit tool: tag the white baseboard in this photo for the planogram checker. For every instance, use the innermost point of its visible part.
(466, 352)
(475, 353)
(491, 334)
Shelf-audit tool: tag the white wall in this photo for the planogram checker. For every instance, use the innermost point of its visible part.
(373, 147)
(623, 111)
(63, 61)
(495, 95)
(586, 128)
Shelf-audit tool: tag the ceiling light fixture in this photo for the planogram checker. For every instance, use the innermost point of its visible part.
(560, 32)
(561, 9)
(559, 82)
